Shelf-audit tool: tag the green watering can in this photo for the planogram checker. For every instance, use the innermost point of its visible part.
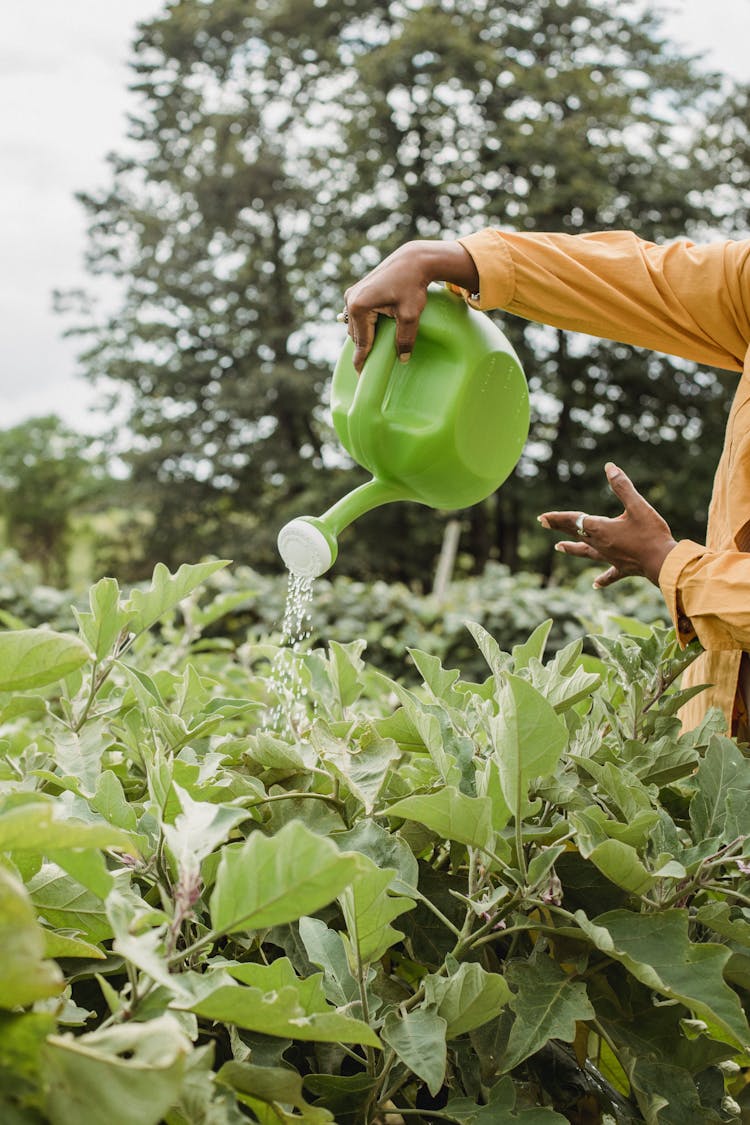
(445, 429)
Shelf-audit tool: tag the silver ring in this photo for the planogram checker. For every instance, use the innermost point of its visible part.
(343, 317)
(579, 525)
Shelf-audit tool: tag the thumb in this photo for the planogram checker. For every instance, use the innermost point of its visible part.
(621, 485)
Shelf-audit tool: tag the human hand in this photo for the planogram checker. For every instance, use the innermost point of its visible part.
(397, 287)
(634, 543)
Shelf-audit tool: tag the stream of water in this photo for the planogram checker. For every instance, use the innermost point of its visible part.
(286, 681)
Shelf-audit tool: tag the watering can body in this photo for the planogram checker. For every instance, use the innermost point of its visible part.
(444, 429)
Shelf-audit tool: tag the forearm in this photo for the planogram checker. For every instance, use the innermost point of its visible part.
(678, 298)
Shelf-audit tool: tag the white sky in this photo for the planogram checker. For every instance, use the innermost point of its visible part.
(63, 100)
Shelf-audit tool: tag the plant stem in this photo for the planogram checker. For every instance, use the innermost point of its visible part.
(439, 914)
(432, 1114)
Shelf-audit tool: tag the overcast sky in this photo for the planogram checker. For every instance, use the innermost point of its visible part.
(63, 100)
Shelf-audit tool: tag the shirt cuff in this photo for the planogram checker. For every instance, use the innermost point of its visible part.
(669, 582)
(494, 262)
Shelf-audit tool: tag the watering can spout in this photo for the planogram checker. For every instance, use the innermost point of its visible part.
(308, 544)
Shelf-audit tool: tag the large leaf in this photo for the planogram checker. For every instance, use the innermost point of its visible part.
(418, 1038)
(145, 607)
(668, 1095)
(500, 1109)
(271, 880)
(66, 904)
(32, 658)
(656, 949)
(468, 998)
(42, 826)
(287, 1010)
(103, 624)
(528, 738)
(723, 769)
(450, 814)
(325, 949)
(119, 1076)
(363, 770)
(274, 1085)
(369, 910)
(25, 975)
(199, 828)
(548, 1005)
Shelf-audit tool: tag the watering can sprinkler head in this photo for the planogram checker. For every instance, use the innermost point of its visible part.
(444, 429)
(307, 547)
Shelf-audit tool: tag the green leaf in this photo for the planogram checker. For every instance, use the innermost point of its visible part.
(620, 864)
(199, 828)
(110, 802)
(281, 1012)
(547, 1003)
(668, 1094)
(528, 739)
(276, 1086)
(723, 769)
(271, 880)
(385, 849)
(62, 945)
(325, 948)
(498, 661)
(143, 947)
(369, 910)
(115, 1077)
(32, 658)
(427, 726)
(500, 1109)
(450, 814)
(363, 770)
(593, 826)
(533, 648)
(41, 826)
(66, 905)
(25, 975)
(102, 626)
(441, 681)
(468, 998)
(78, 754)
(418, 1038)
(345, 666)
(146, 607)
(656, 949)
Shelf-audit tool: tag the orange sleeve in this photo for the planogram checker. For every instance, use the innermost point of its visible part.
(706, 592)
(684, 299)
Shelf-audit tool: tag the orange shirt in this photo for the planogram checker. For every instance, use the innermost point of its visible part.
(687, 300)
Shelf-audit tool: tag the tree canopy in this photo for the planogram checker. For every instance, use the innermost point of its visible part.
(280, 149)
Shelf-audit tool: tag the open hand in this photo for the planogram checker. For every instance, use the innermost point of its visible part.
(634, 543)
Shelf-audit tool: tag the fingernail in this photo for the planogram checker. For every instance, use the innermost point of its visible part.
(610, 469)
(543, 521)
(559, 547)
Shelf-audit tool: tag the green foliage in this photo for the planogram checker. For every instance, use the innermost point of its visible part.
(47, 473)
(404, 899)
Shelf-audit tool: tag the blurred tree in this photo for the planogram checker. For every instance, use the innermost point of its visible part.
(47, 474)
(283, 148)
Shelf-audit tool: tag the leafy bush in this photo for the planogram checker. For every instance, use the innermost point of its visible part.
(391, 618)
(520, 897)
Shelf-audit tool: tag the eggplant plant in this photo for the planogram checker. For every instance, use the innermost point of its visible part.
(522, 897)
